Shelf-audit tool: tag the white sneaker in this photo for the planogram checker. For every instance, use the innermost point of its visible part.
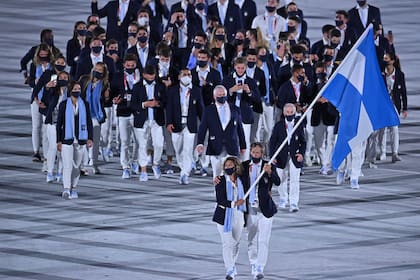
(66, 194)
(135, 168)
(143, 177)
(126, 174)
(50, 177)
(354, 184)
(340, 178)
(156, 171)
(44, 166)
(59, 177)
(73, 194)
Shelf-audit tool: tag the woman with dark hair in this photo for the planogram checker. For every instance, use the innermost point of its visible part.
(95, 90)
(74, 132)
(75, 45)
(395, 82)
(53, 97)
(229, 213)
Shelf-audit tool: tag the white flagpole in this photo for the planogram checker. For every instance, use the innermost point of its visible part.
(356, 45)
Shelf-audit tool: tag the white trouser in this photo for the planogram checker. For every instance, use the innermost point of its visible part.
(106, 129)
(94, 150)
(259, 232)
(45, 143)
(247, 133)
(371, 147)
(72, 158)
(52, 150)
(324, 143)
(126, 129)
(255, 128)
(357, 161)
(205, 159)
(309, 134)
(150, 128)
(184, 146)
(36, 127)
(169, 146)
(267, 123)
(217, 162)
(394, 137)
(230, 240)
(292, 195)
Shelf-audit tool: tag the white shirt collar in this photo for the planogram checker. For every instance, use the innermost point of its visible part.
(205, 70)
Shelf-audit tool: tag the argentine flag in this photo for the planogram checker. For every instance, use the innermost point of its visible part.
(358, 91)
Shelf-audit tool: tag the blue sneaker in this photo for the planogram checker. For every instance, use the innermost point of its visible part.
(340, 178)
(259, 273)
(59, 177)
(156, 171)
(135, 168)
(126, 174)
(354, 184)
(143, 177)
(73, 194)
(231, 273)
(50, 177)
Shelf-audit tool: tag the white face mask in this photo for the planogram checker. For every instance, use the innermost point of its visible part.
(143, 21)
(186, 80)
(163, 64)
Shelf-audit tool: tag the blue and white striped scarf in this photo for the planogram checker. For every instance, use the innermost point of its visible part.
(229, 194)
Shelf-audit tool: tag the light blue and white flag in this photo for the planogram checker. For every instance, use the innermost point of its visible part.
(358, 91)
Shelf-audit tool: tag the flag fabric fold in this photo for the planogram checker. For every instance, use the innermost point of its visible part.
(358, 91)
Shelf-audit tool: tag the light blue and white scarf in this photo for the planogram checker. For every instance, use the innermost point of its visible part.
(229, 194)
(69, 128)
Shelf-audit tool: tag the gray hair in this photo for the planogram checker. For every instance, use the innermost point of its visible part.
(291, 105)
(219, 87)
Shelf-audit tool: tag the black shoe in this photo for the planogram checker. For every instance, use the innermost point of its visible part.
(36, 157)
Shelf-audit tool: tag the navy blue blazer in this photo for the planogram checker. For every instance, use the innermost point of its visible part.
(150, 60)
(174, 113)
(115, 28)
(297, 144)
(249, 12)
(61, 124)
(222, 202)
(212, 80)
(286, 94)
(247, 101)
(43, 80)
(51, 101)
(399, 91)
(374, 15)
(265, 201)
(324, 113)
(84, 66)
(232, 138)
(141, 114)
(233, 18)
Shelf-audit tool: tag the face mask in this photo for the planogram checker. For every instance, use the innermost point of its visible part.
(149, 82)
(60, 68)
(339, 23)
(291, 29)
(75, 94)
(111, 52)
(200, 6)
(333, 45)
(328, 58)
(142, 39)
(361, 3)
(44, 58)
(220, 37)
(301, 78)
(221, 99)
(255, 159)
(186, 80)
(290, 118)
(49, 41)
(180, 22)
(321, 75)
(263, 58)
(230, 171)
(270, 9)
(164, 64)
(132, 34)
(198, 46)
(81, 32)
(238, 42)
(143, 21)
(130, 70)
(202, 63)
(386, 63)
(97, 75)
(62, 83)
(97, 49)
(251, 64)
